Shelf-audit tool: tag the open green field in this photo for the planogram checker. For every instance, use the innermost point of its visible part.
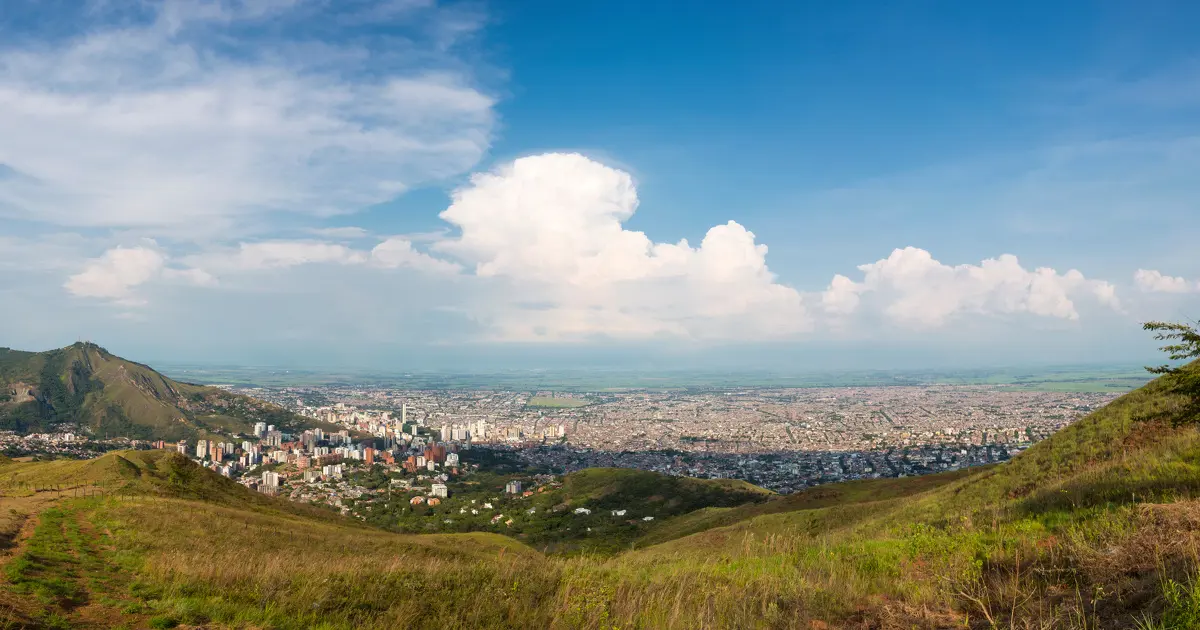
(556, 402)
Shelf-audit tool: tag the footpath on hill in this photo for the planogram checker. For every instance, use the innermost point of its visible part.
(56, 566)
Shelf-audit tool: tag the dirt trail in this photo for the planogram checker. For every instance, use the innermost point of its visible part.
(17, 520)
(95, 579)
(100, 577)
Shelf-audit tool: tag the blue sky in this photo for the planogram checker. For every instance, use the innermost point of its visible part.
(403, 184)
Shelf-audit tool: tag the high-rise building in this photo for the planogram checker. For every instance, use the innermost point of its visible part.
(435, 453)
(439, 490)
(260, 429)
(202, 449)
(404, 414)
(446, 432)
(512, 487)
(369, 455)
(181, 447)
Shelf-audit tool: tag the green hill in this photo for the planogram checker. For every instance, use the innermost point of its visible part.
(1095, 527)
(592, 511)
(86, 388)
(163, 542)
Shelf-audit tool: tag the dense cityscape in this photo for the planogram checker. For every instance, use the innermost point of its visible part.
(781, 439)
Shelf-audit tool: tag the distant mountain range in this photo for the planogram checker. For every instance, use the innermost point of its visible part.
(91, 390)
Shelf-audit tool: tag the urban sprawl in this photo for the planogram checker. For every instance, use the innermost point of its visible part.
(782, 439)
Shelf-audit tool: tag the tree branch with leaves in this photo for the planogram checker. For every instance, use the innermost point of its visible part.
(1183, 344)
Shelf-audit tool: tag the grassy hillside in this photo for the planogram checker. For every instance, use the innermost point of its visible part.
(593, 511)
(171, 543)
(87, 387)
(1095, 527)
(838, 494)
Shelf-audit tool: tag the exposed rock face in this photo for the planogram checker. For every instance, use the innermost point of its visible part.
(20, 393)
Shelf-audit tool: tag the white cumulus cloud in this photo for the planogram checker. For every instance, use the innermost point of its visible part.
(917, 290)
(399, 252)
(1155, 282)
(116, 274)
(340, 233)
(548, 228)
(275, 254)
(391, 253)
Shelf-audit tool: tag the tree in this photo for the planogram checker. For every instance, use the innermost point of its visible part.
(1184, 344)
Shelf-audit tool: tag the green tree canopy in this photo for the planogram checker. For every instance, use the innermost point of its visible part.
(1183, 344)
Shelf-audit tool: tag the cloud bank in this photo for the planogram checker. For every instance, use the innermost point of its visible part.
(1153, 281)
(119, 271)
(917, 290)
(172, 120)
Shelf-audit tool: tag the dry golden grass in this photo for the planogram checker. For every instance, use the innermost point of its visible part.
(232, 566)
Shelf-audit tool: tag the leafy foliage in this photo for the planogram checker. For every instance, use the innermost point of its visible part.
(1183, 345)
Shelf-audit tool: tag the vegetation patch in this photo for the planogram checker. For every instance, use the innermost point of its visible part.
(557, 402)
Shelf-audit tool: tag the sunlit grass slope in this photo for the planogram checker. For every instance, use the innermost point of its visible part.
(838, 494)
(174, 543)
